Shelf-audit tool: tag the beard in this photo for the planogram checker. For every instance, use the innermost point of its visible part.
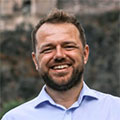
(75, 79)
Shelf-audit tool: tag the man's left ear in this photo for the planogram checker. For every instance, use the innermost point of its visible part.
(86, 53)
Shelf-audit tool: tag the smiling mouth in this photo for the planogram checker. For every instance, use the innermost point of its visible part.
(59, 67)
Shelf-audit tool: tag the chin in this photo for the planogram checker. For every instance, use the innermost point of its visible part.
(62, 80)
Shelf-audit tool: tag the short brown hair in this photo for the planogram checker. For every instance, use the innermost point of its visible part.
(58, 16)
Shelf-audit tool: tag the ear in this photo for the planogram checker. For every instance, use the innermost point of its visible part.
(35, 60)
(86, 53)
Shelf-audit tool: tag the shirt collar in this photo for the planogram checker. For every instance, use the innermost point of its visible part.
(43, 97)
(88, 93)
(85, 92)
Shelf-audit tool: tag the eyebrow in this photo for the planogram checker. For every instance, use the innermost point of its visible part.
(69, 42)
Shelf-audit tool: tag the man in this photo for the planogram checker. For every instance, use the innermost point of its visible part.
(60, 53)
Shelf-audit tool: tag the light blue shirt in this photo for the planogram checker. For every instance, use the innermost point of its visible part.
(91, 105)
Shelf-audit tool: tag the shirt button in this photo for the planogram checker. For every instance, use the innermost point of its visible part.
(67, 115)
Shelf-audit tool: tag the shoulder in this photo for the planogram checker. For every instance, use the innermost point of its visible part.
(110, 101)
(20, 110)
(105, 96)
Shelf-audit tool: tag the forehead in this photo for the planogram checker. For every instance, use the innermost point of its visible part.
(49, 29)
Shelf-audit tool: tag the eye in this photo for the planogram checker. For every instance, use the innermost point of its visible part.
(70, 47)
(47, 50)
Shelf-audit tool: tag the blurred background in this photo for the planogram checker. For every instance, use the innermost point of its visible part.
(20, 82)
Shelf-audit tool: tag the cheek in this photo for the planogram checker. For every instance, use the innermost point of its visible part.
(76, 56)
(43, 61)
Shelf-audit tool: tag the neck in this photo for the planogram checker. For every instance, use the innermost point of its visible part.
(61, 97)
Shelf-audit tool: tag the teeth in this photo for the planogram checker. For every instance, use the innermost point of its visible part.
(60, 66)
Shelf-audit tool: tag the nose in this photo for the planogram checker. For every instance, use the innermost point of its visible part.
(59, 54)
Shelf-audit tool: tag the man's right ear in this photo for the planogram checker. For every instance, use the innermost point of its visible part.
(35, 60)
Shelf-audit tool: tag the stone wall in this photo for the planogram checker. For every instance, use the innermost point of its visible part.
(19, 10)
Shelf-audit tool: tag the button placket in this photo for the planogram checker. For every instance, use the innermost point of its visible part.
(68, 115)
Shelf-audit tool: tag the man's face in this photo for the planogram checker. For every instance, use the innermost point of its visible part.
(60, 56)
